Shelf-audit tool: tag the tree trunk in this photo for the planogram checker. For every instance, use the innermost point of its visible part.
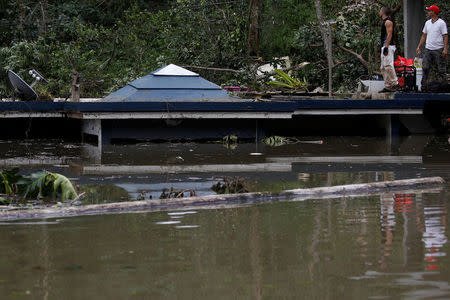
(254, 9)
(325, 31)
(43, 27)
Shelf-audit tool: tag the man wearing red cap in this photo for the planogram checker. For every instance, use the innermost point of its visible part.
(436, 36)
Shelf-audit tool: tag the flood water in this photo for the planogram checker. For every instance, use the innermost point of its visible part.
(388, 246)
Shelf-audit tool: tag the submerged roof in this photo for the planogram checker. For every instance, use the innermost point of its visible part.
(170, 83)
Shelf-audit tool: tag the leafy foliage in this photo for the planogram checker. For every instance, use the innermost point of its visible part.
(9, 180)
(113, 42)
(37, 185)
(231, 186)
(288, 82)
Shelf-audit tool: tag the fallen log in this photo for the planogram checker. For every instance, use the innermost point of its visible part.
(429, 184)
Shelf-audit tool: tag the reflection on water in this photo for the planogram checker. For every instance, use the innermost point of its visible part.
(389, 246)
(313, 250)
(143, 171)
(434, 236)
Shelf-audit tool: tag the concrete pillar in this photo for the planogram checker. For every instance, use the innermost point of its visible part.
(94, 128)
(414, 19)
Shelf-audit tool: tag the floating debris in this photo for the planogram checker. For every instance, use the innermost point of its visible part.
(428, 184)
(276, 141)
(230, 141)
(230, 186)
(173, 193)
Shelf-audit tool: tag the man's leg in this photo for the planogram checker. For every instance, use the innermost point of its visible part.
(442, 66)
(426, 64)
(382, 69)
(387, 69)
(390, 79)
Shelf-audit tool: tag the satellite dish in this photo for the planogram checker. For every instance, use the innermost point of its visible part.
(22, 89)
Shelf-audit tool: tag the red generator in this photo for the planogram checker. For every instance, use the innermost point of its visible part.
(406, 73)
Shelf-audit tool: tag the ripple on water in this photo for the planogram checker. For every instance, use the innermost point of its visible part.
(168, 222)
(187, 226)
(182, 213)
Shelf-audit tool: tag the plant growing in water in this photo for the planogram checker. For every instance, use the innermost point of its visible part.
(284, 80)
(38, 185)
(9, 182)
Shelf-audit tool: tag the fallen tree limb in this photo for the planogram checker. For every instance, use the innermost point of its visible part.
(214, 201)
(357, 55)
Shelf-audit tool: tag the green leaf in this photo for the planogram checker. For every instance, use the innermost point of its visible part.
(8, 181)
(64, 187)
(40, 185)
(4, 201)
(280, 84)
(288, 79)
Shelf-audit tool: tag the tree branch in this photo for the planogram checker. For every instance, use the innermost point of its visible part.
(334, 65)
(393, 10)
(396, 9)
(212, 69)
(358, 56)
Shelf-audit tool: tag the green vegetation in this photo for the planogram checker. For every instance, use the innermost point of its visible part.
(40, 185)
(286, 81)
(231, 186)
(113, 42)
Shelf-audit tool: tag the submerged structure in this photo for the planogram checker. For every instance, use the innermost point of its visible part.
(173, 103)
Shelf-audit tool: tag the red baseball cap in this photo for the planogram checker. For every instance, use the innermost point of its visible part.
(434, 8)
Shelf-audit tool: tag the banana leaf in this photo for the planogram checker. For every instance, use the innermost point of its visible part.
(280, 84)
(63, 187)
(47, 184)
(40, 185)
(284, 76)
(8, 181)
(286, 81)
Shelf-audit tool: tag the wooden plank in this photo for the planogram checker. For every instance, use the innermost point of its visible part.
(419, 185)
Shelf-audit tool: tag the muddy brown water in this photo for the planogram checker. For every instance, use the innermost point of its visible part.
(378, 247)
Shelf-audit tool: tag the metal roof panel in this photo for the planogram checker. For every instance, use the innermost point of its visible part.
(173, 82)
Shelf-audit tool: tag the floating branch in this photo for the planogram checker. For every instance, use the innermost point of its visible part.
(216, 201)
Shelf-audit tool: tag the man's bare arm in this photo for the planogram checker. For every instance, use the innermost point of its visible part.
(444, 53)
(389, 29)
(422, 40)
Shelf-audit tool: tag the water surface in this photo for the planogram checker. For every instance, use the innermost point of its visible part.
(379, 247)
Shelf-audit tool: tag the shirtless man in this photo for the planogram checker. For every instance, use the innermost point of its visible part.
(387, 51)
